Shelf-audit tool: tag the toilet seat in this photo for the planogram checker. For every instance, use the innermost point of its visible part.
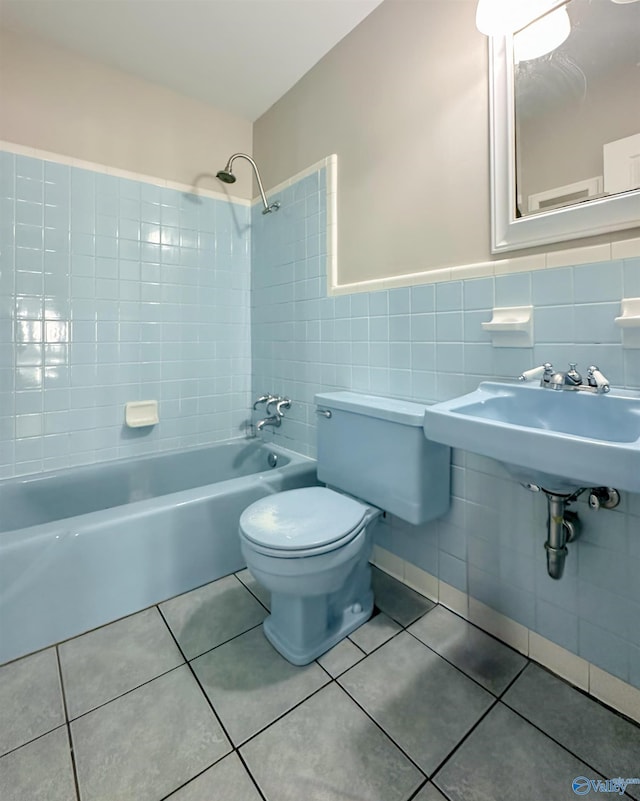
(302, 522)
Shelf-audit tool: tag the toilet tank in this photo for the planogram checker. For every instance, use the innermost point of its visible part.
(375, 448)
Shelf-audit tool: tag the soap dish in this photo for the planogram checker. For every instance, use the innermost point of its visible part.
(138, 414)
(511, 327)
(629, 321)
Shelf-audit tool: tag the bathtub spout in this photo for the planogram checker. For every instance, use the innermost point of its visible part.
(273, 420)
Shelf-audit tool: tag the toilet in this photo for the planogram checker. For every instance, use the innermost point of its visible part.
(310, 547)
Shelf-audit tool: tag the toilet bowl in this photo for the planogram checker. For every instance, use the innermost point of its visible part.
(311, 547)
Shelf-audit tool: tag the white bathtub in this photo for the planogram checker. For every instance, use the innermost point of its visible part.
(84, 546)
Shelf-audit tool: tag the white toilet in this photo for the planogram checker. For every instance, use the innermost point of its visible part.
(310, 547)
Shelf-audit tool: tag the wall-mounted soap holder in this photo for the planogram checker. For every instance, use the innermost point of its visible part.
(511, 327)
(629, 321)
(139, 414)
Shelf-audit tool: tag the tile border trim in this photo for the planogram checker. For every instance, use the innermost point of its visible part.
(608, 251)
(584, 675)
(58, 158)
(330, 164)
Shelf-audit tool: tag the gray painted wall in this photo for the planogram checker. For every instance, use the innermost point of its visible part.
(403, 102)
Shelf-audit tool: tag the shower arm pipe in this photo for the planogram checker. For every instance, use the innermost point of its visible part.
(267, 208)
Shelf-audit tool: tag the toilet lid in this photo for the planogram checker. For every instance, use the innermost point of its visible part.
(301, 519)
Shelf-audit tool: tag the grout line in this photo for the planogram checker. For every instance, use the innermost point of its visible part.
(220, 644)
(373, 650)
(493, 705)
(362, 651)
(515, 678)
(206, 697)
(33, 740)
(284, 714)
(202, 772)
(250, 774)
(461, 670)
(612, 710)
(246, 586)
(386, 733)
(419, 790)
(487, 633)
(438, 789)
(453, 665)
(127, 692)
(209, 650)
(72, 752)
(553, 739)
(331, 678)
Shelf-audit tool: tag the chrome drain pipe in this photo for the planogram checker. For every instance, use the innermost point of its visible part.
(563, 524)
(560, 531)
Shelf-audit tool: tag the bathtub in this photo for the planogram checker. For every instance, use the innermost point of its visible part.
(84, 546)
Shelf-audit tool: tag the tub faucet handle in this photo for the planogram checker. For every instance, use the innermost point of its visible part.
(282, 403)
(268, 398)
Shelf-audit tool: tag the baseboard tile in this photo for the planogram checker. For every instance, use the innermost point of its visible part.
(577, 671)
(614, 692)
(562, 662)
(508, 631)
(421, 581)
(454, 599)
(389, 562)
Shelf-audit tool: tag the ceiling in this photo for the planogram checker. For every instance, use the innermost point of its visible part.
(237, 55)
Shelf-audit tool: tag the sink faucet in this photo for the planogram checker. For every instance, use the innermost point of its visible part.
(571, 379)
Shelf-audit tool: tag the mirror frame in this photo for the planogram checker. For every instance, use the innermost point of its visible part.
(591, 218)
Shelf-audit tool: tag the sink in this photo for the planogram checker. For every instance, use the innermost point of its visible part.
(559, 440)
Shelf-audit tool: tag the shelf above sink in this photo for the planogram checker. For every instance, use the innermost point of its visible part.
(560, 440)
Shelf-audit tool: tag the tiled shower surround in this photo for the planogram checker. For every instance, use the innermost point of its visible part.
(115, 290)
(425, 343)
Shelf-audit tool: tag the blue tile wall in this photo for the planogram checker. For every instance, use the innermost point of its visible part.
(114, 290)
(425, 343)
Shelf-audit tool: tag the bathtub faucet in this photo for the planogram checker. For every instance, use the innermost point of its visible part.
(273, 419)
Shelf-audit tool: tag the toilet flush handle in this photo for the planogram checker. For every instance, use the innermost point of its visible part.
(323, 412)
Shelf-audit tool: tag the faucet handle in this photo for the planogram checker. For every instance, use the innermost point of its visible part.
(573, 374)
(537, 372)
(267, 398)
(597, 380)
(282, 403)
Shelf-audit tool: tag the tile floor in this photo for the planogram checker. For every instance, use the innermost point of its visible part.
(187, 701)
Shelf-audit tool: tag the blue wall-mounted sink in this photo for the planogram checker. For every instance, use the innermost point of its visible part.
(560, 440)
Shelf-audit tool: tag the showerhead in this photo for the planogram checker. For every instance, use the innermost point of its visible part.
(227, 177)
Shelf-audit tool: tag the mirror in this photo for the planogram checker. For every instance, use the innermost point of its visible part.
(565, 129)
